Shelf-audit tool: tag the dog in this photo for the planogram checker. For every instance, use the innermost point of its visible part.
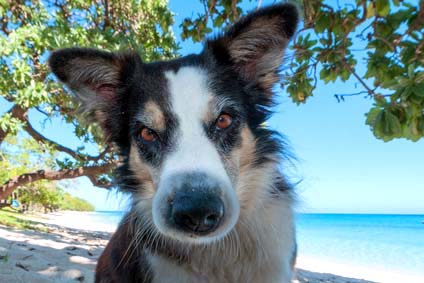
(209, 201)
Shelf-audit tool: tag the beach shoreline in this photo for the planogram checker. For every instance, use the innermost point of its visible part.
(69, 252)
(373, 274)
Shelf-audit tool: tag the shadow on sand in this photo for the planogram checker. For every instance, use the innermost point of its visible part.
(62, 255)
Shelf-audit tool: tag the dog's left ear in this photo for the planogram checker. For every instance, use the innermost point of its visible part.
(254, 46)
(98, 79)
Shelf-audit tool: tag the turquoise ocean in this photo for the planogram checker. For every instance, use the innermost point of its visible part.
(383, 241)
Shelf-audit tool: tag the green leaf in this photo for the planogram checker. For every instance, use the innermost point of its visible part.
(372, 116)
(385, 125)
(411, 131)
(324, 74)
(411, 71)
(395, 124)
(382, 7)
(380, 100)
(323, 22)
(370, 10)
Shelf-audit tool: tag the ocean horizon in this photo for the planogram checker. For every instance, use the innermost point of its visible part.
(392, 242)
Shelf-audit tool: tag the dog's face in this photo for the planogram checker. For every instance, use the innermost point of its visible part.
(195, 154)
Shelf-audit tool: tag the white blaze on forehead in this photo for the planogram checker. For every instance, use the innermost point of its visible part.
(192, 151)
(189, 101)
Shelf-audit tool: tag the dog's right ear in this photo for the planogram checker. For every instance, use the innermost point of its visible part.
(98, 79)
(254, 46)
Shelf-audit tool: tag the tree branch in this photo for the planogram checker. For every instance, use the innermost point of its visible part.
(340, 96)
(106, 16)
(234, 9)
(42, 112)
(21, 113)
(16, 112)
(419, 20)
(357, 23)
(4, 28)
(350, 69)
(99, 183)
(42, 139)
(89, 171)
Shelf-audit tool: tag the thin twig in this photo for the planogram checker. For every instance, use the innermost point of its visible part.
(42, 139)
(349, 68)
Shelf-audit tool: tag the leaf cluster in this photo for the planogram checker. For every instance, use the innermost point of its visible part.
(48, 196)
(30, 30)
(385, 35)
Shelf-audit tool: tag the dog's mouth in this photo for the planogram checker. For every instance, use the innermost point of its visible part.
(195, 207)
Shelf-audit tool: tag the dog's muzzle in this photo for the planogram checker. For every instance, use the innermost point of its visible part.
(194, 205)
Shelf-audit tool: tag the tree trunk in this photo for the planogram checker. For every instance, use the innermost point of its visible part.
(90, 171)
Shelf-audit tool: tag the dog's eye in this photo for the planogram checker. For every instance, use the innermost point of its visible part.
(224, 121)
(148, 134)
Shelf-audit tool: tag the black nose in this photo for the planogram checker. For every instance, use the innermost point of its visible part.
(197, 212)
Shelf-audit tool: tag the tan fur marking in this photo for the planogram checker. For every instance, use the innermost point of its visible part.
(251, 179)
(210, 114)
(143, 173)
(247, 149)
(155, 114)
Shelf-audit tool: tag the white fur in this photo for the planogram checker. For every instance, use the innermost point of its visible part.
(193, 151)
(260, 252)
(190, 97)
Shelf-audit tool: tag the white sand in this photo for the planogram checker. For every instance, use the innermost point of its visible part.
(69, 254)
(63, 255)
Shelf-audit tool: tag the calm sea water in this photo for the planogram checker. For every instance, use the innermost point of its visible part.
(392, 242)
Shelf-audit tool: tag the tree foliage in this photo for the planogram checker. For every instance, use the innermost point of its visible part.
(39, 195)
(29, 30)
(48, 197)
(22, 154)
(70, 202)
(388, 34)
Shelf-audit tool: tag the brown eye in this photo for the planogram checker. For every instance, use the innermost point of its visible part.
(224, 121)
(147, 134)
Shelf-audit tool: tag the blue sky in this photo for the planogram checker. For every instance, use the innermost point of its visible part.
(343, 167)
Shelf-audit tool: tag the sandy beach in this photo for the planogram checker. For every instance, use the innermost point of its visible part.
(69, 254)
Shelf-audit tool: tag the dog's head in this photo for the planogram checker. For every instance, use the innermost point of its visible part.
(197, 157)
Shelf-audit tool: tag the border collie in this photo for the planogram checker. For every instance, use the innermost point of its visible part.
(209, 201)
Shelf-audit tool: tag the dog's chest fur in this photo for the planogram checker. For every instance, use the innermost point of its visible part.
(259, 255)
